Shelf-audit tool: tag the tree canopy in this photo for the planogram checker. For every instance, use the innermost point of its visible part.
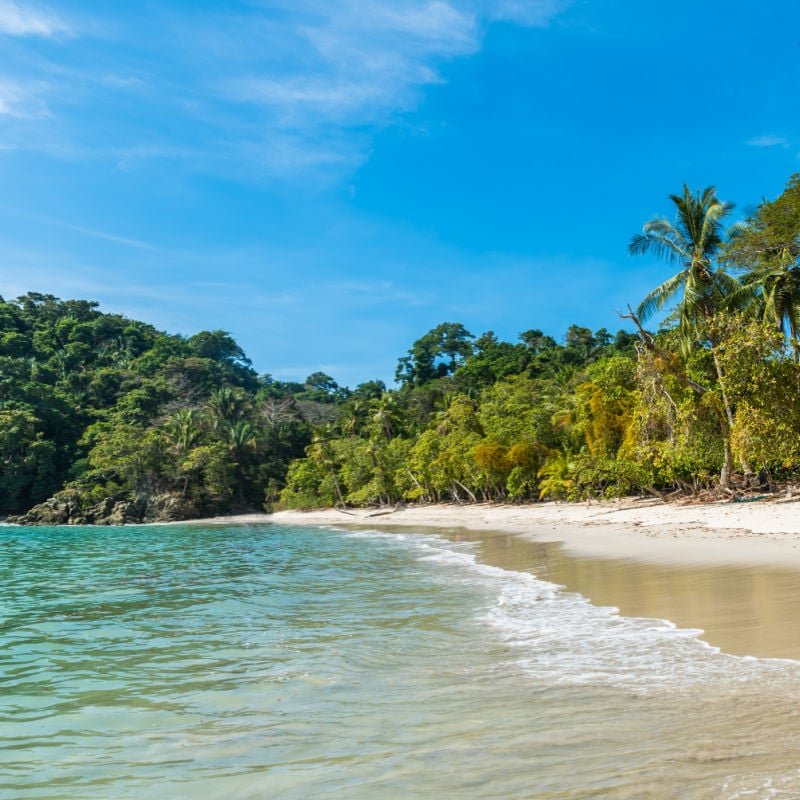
(103, 418)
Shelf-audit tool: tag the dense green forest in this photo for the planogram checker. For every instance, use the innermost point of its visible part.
(710, 401)
(127, 423)
(104, 419)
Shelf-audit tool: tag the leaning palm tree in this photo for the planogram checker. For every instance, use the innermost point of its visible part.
(701, 287)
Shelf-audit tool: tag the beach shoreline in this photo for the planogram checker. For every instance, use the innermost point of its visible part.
(764, 532)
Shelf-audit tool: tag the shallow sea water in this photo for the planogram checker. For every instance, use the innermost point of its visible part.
(271, 661)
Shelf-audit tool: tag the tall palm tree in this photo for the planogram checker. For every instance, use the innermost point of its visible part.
(701, 286)
(692, 241)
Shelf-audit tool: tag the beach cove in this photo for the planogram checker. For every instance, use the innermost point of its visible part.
(729, 569)
(436, 656)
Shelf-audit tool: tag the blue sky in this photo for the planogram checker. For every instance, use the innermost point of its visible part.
(329, 179)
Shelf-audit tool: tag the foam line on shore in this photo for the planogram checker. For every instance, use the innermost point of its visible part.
(725, 533)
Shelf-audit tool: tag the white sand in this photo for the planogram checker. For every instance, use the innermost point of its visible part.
(740, 533)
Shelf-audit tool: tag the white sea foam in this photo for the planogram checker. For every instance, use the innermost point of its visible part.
(560, 637)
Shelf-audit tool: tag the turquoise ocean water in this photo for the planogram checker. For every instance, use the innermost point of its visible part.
(277, 662)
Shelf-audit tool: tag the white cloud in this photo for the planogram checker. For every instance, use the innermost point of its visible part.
(329, 98)
(355, 63)
(17, 19)
(768, 141)
(286, 88)
(19, 100)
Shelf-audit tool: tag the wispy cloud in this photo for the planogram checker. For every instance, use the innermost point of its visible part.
(768, 140)
(278, 88)
(104, 235)
(83, 230)
(21, 100)
(18, 19)
(356, 63)
(378, 293)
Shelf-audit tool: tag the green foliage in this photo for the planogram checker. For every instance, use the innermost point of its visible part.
(763, 381)
(767, 249)
(113, 409)
(116, 409)
(438, 353)
(484, 429)
(599, 415)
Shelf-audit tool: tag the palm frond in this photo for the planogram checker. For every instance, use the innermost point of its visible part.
(710, 236)
(660, 296)
(663, 247)
(737, 229)
(736, 295)
(661, 228)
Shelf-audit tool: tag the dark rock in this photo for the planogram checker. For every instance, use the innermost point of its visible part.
(63, 508)
(169, 508)
(67, 508)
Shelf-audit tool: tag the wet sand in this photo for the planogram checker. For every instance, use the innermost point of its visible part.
(744, 610)
(741, 588)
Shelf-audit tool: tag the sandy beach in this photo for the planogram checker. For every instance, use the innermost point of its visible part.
(731, 570)
(763, 532)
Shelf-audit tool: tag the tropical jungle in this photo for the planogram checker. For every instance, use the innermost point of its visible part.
(107, 420)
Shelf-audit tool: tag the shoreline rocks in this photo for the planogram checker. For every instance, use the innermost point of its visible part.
(67, 508)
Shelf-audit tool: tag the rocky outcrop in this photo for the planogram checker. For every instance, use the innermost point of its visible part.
(68, 507)
(63, 508)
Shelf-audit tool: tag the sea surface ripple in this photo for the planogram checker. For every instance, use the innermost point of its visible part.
(252, 661)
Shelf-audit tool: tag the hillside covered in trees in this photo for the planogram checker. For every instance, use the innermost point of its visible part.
(104, 419)
(126, 423)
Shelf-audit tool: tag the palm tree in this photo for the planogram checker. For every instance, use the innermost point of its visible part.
(779, 282)
(386, 416)
(226, 405)
(240, 436)
(352, 417)
(701, 287)
(321, 452)
(767, 249)
(693, 242)
(182, 430)
(773, 273)
(242, 440)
